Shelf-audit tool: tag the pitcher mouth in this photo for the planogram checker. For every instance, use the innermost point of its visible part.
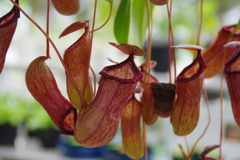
(230, 29)
(201, 67)
(11, 16)
(136, 73)
(228, 69)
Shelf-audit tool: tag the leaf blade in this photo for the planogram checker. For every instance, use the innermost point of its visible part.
(122, 22)
(139, 20)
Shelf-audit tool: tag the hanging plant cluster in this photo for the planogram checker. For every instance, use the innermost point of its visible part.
(92, 115)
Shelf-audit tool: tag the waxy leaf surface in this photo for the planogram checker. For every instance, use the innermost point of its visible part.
(98, 124)
(74, 27)
(77, 61)
(148, 65)
(186, 109)
(235, 44)
(132, 139)
(139, 21)
(147, 99)
(66, 7)
(8, 24)
(122, 21)
(232, 70)
(214, 55)
(43, 87)
(128, 49)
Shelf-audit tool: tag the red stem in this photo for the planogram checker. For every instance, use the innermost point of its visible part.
(92, 33)
(47, 30)
(109, 16)
(169, 10)
(200, 24)
(221, 113)
(149, 44)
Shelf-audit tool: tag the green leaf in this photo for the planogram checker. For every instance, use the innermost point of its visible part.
(139, 20)
(237, 27)
(122, 21)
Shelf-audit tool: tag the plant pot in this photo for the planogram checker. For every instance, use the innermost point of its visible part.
(7, 134)
(48, 137)
(116, 155)
(79, 151)
(195, 156)
(160, 55)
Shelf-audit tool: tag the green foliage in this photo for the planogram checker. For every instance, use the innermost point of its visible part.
(122, 21)
(37, 117)
(15, 110)
(12, 109)
(139, 20)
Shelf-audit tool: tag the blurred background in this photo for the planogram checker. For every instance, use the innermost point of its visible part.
(26, 131)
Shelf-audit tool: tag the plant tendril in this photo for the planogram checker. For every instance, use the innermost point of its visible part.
(109, 16)
(171, 42)
(47, 30)
(92, 33)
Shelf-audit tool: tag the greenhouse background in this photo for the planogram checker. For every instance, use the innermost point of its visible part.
(28, 121)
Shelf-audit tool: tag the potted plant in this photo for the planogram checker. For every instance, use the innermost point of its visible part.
(39, 125)
(12, 114)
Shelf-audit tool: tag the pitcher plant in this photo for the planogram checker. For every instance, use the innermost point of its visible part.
(128, 96)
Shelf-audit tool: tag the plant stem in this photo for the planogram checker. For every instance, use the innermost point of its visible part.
(105, 21)
(221, 117)
(188, 150)
(200, 23)
(169, 48)
(169, 10)
(149, 44)
(92, 33)
(146, 78)
(94, 80)
(47, 30)
(183, 153)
